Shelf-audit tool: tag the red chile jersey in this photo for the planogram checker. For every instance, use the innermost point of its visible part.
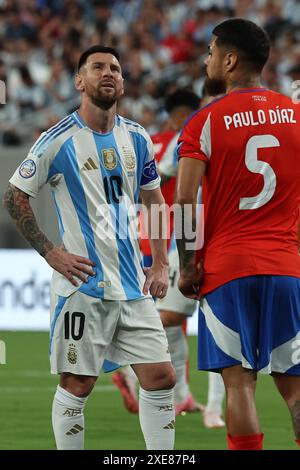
(250, 141)
(161, 143)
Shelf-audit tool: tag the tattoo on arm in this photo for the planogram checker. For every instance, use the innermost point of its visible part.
(186, 256)
(295, 412)
(17, 204)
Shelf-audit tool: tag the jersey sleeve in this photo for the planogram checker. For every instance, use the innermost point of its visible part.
(195, 138)
(150, 178)
(32, 174)
(168, 164)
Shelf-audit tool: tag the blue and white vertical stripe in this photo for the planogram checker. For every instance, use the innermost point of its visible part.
(82, 166)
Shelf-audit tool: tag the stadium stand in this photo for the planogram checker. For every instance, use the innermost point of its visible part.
(162, 44)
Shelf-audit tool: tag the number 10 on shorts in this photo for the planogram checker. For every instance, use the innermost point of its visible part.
(74, 325)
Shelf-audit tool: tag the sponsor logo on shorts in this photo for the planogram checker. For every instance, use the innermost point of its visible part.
(27, 169)
(72, 354)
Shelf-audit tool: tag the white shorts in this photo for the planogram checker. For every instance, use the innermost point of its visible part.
(85, 330)
(174, 300)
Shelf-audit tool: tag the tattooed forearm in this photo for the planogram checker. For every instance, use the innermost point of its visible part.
(183, 240)
(17, 204)
(295, 412)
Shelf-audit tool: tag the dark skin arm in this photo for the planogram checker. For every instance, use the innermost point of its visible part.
(18, 205)
(190, 173)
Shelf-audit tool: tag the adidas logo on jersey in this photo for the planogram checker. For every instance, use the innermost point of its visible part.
(90, 164)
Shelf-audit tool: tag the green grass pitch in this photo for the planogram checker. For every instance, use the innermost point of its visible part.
(27, 388)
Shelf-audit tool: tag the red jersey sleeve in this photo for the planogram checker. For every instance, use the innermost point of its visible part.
(195, 139)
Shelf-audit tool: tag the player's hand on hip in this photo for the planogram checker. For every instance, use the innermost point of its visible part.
(157, 280)
(70, 265)
(189, 282)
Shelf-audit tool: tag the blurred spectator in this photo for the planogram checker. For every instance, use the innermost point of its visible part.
(163, 44)
(16, 28)
(275, 24)
(59, 87)
(8, 113)
(29, 96)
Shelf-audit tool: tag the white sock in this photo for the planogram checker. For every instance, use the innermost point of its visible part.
(179, 354)
(216, 392)
(157, 418)
(68, 420)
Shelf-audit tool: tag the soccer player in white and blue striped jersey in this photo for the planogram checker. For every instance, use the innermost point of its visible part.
(98, 164)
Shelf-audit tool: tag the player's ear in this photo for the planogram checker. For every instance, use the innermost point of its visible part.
(79, 85)
(231, 60)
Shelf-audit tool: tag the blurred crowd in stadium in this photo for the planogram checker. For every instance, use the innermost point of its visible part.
(163, 44)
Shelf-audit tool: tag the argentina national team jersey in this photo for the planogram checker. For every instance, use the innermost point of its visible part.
(95, 181)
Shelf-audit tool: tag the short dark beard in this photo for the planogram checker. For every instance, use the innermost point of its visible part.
(102, 103)
(99, 99)
(214, 87)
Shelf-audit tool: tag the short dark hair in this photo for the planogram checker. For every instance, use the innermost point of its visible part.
(248, 38)
(182, 98)
(93, 50)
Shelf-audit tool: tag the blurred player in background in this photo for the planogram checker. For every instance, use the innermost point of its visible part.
(245, 148)
(97, 164)
(175, 308)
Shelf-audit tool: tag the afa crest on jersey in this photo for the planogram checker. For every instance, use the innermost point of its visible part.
(109, 158)
(130, 162)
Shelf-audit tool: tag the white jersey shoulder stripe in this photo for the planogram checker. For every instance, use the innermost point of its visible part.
(133, 126)
(78, 120)
(58, 137)
(50, 133)
(205, 138)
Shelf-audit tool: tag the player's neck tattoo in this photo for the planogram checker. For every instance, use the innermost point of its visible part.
(244, 83)
(17, 204)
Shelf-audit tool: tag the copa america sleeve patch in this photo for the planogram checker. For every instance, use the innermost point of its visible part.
(149, 173)
(27, 169)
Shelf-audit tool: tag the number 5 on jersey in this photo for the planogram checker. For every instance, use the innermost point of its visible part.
(255, 166)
